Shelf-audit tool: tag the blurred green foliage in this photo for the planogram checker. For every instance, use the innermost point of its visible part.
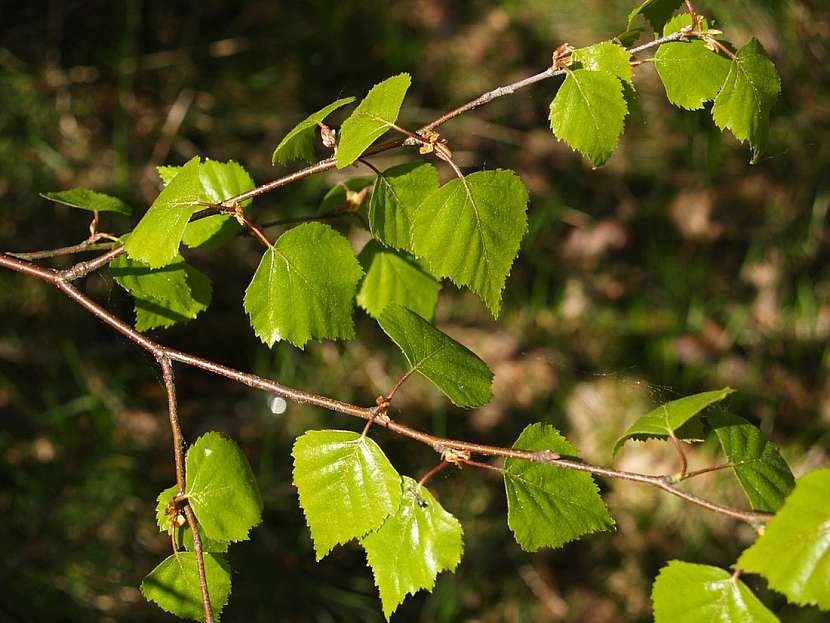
(677, 267)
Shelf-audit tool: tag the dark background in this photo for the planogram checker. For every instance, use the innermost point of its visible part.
(676, 268)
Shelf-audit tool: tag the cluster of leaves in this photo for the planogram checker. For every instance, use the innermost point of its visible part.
(222, 491)
(468, 230)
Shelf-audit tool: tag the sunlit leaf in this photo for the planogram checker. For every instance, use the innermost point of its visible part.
(298, 144)
(793, 553)
(347, 486)
(304, 287)
(676, 417)
(689, 593)
(221, 488)
(548, 506)
(588, 113)
(416, 543)
(184, 536)
(452, 367)
(605, 56)
(371, 119)
(397, 193)
(395, 277)
(470, 229)
(749, 92)
(87, 199)
(763, 473)
(155, 240)
(174, 585)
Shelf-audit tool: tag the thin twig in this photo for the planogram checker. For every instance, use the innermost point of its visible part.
(432, 473)
(400, 382)
(178, 454)
(675, 36)
(83, 247)
(439, 444)
(684, 463)
(82, 269)
(706, 470)
(255, 230)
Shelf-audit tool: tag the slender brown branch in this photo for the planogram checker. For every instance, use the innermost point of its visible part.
(178, 454)
(83, 247)
(439, 444)
(675, 36)
(82, 269)
(200, 562)
(173, 411)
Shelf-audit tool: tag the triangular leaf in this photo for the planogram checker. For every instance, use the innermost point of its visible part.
(395, 198)
(588, 113)
(414, 545)
(470, 230)
(395, 277)
(657, 12)
(167, 172)
(549, 506)
(452, 367)
(155, 240)
(221, 488)
(304, 287)
(87, 199)
(371, 119)
(674, 417)
(749, 92)
(173, 293)
(298, 144)
(763, 473)
(605, 56)
(689, 593)
(346, 484)
(174, 585)
(793, 553)
(691, 73)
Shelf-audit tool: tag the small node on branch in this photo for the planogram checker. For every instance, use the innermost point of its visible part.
(455, 457)
(562, 57)
(546, 456)
(329, 136)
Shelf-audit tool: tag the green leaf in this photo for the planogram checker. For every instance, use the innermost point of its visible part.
(452, 367)
(764, 475)
(588, 113)
(605, 56)
(793, 553)
(749, 92)
(174, 585)
(346, 484)
(689, 593)
(372, 118)
(337, 196)
(395, 198)
(691, 73)
(184, 537)
(173, 293)
(167, 172)
(304, 287)
(414, 545)
(549, 506)
(155, 240)
(86, 199)
(674, 417)
(298, 144)
(657, 12)
(395, 277)
(470, 229)
(221, 488)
